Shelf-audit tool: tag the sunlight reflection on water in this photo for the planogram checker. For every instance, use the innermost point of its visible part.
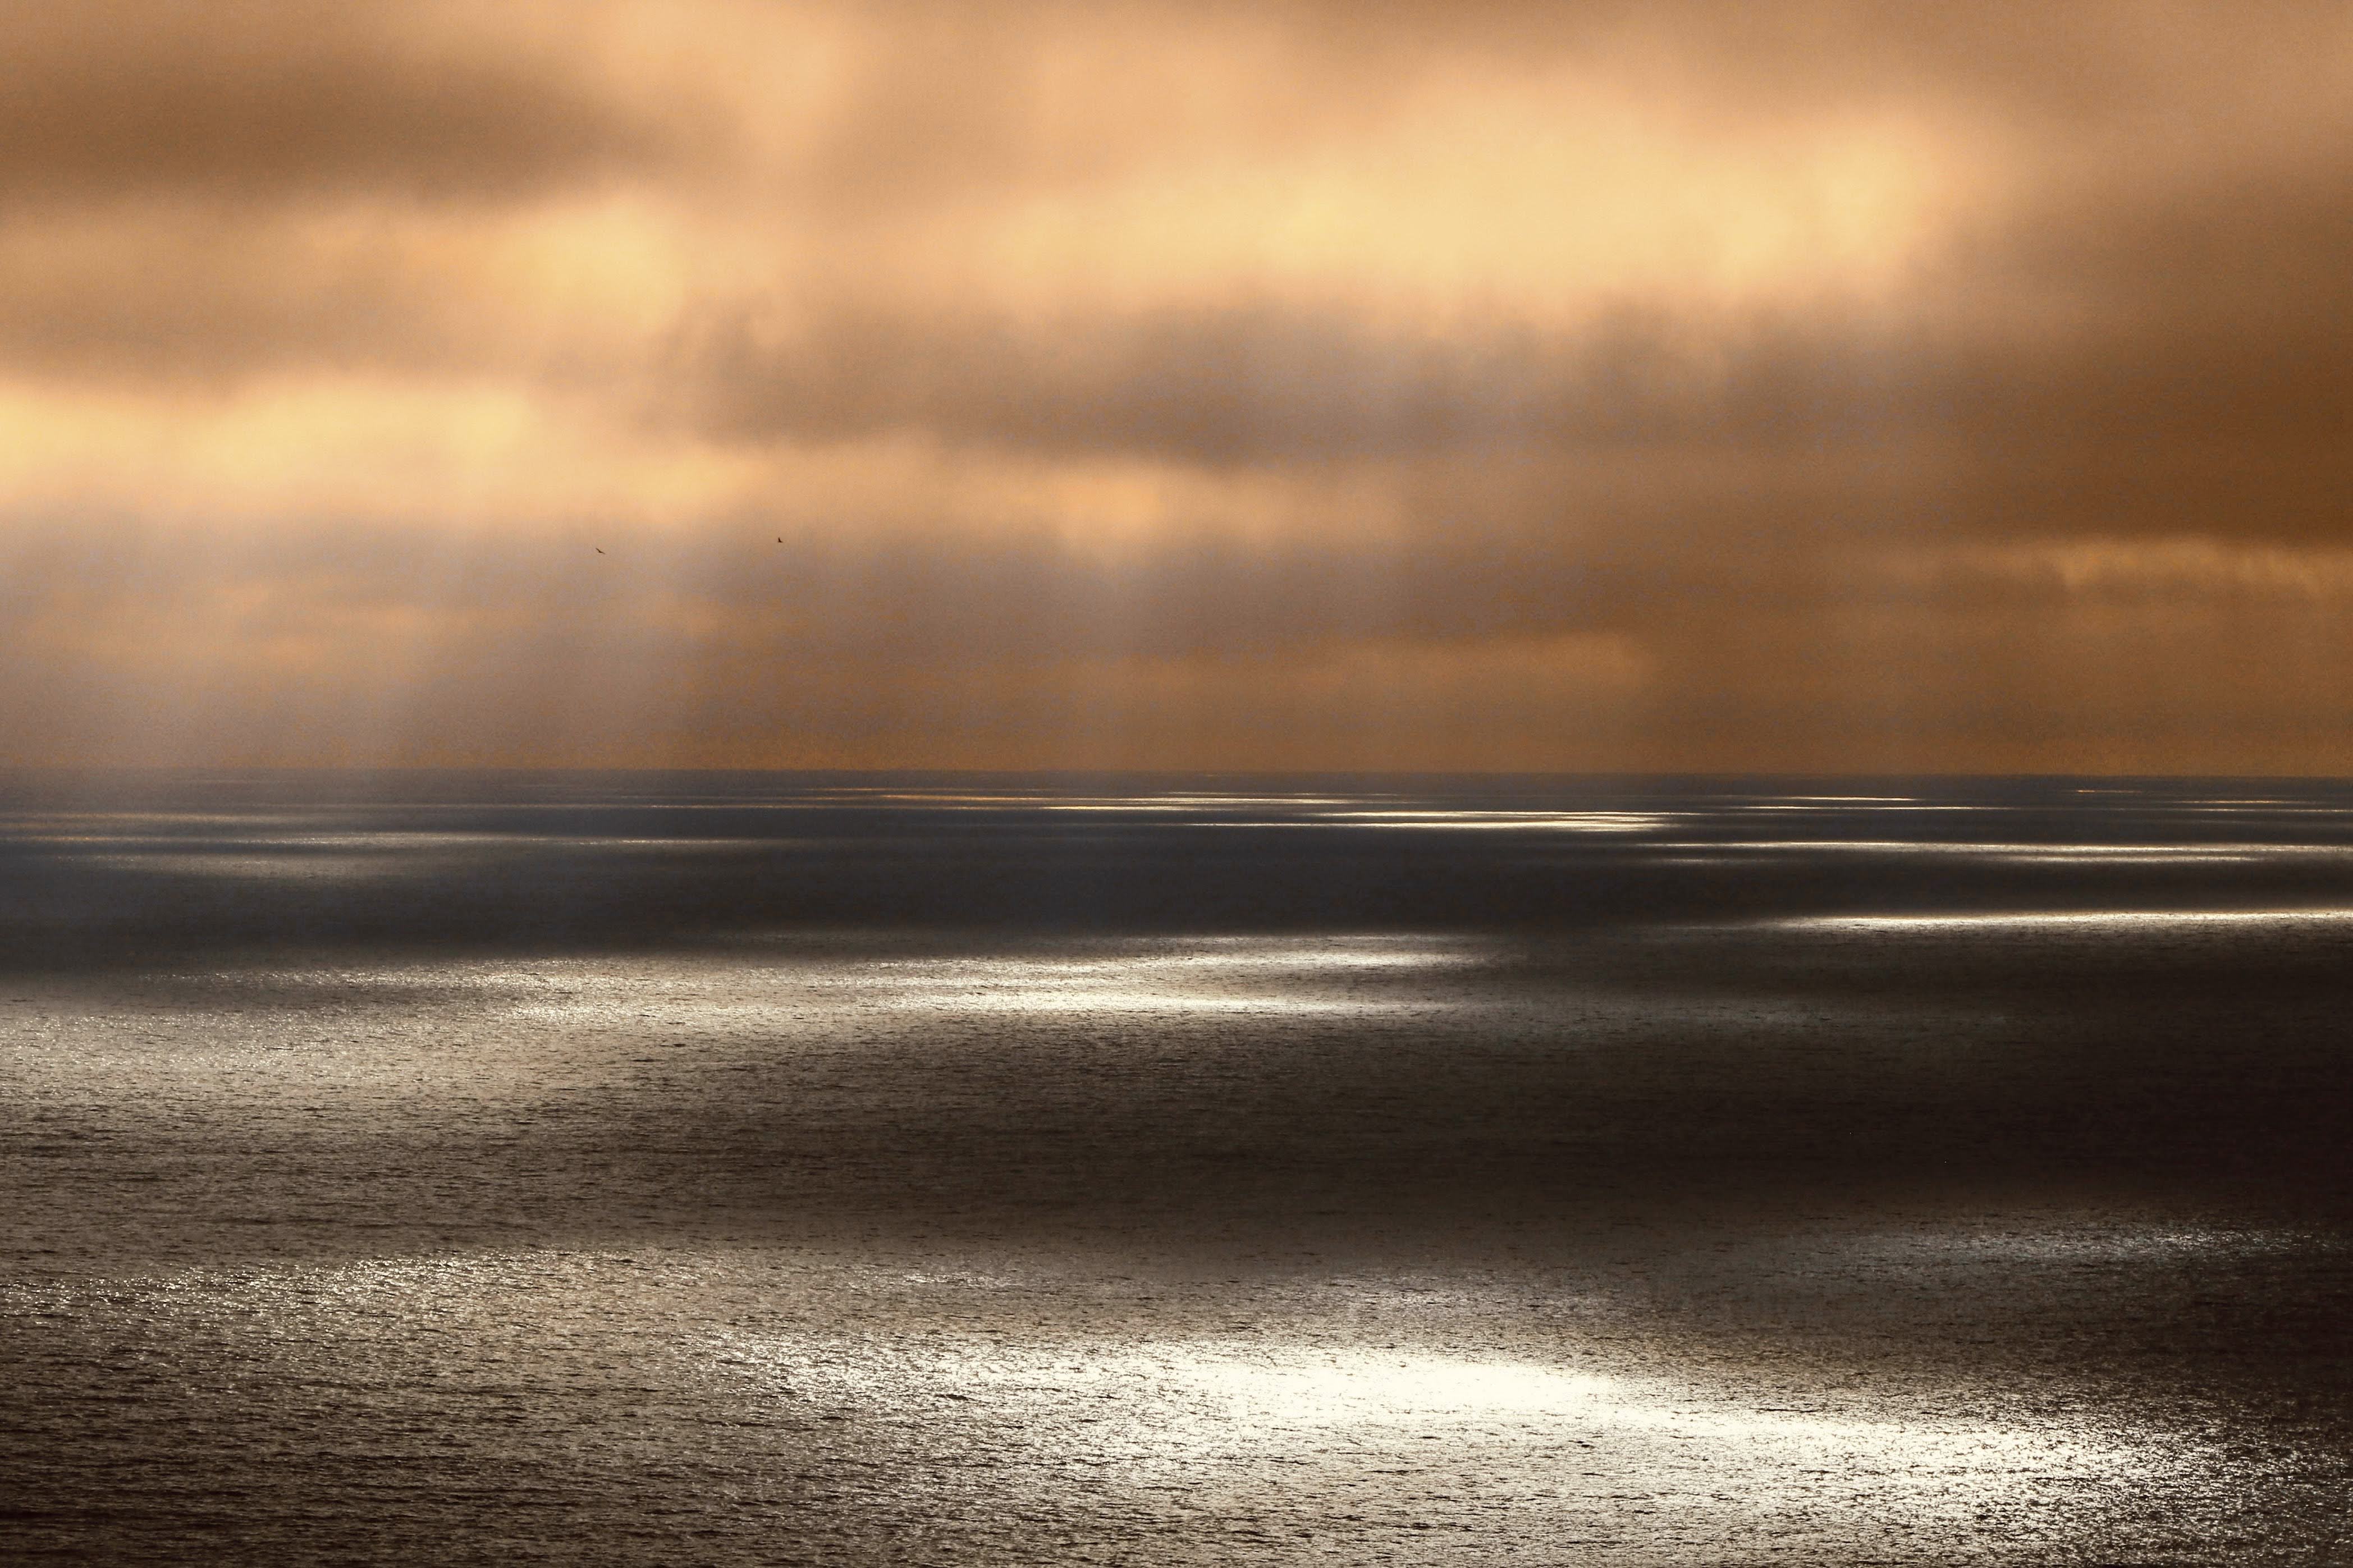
(2073, 920)
(1148, 1407)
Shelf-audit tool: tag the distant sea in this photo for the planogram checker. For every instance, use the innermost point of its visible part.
(833, 1168)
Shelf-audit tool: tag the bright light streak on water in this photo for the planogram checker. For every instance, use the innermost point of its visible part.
(1956, 1249)
(1570, 1445)
(2010, 849)
(1456, 821)
(1815, 805)
(1247, 975)
(2077, 919)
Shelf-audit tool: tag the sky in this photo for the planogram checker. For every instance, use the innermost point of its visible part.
(1286, 386)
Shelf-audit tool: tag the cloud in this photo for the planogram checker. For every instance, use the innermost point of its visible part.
(347, 642)
(240, 101)
(1484, 384)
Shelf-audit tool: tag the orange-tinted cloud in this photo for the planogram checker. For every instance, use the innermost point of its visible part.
(1487, 385)
(240, 101)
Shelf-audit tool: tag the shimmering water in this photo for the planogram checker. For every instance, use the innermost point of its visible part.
(748, 1168)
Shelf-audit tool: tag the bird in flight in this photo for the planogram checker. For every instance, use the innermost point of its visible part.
(600, 550)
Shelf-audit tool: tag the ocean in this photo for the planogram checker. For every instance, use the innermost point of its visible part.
(858, 1168)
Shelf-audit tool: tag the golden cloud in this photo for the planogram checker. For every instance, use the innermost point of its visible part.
(1487, 385)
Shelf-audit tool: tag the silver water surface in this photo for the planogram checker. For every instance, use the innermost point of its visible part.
(527, 1177)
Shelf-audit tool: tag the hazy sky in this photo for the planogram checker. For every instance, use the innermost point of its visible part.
(1462, 384)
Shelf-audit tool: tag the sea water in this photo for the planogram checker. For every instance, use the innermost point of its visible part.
(850, 1168)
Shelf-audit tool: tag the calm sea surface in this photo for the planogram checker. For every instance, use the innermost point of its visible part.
(861, 1169)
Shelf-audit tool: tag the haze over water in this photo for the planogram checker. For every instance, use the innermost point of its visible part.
(856, 1168)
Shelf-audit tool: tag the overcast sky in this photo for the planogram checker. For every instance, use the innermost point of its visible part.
(1458, 385)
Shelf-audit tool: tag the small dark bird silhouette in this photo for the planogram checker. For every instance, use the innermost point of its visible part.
(780, 538)
(600, 552)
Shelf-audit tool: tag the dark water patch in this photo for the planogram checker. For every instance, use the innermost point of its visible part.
(130, 869)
